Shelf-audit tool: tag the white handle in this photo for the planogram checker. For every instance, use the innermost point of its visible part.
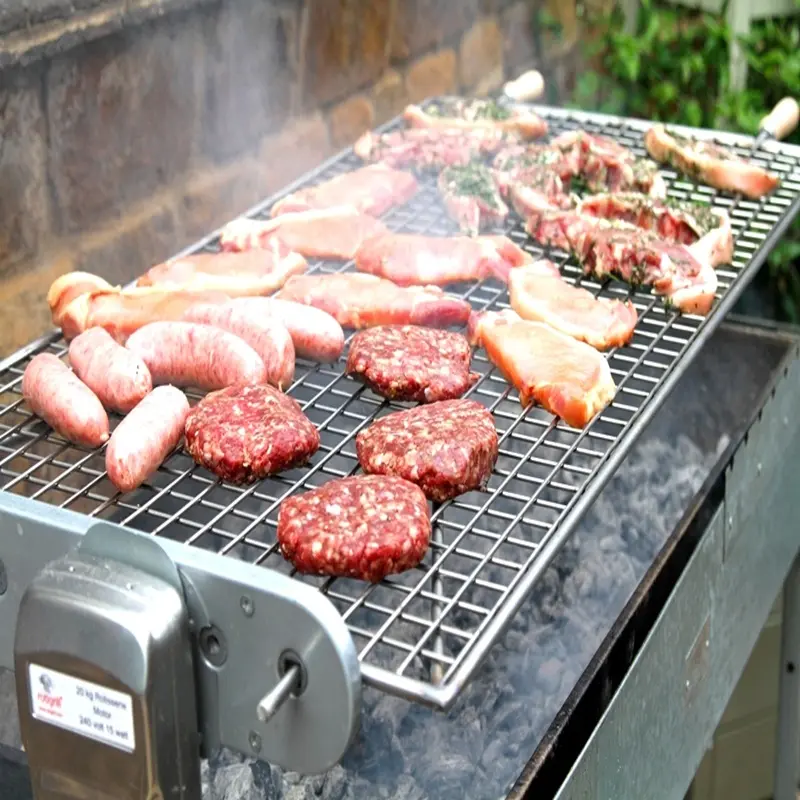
(527, 87)
(782, 120)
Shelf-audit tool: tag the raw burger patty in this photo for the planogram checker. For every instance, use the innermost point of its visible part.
(366, 527)
(408, 362)
(245, 433)
(446, 448)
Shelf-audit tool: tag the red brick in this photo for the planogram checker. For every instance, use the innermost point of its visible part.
(213, 198)
(303, 145)
(424, 24)
(481, 52)
(347, 46)
(122, 252)
(518, 51)
(122, 114)
(389, 96)
(350, 119)
(251, 53)
(432, 75)
(24, 199)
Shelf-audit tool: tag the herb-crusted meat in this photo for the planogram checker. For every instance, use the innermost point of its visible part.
(245, 433)
(446, 448)
(472, 197)
(364, 527)
(407, 362)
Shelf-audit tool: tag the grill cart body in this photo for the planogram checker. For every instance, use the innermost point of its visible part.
(522, 603)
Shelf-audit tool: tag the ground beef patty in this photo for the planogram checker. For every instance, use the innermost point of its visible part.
(408, 362)
(366, 527)
(446, 448)
(245, 433)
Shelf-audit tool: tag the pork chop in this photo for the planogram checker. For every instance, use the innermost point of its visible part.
(334, 233)
(566, 377)
(537, 292)
(363, 301)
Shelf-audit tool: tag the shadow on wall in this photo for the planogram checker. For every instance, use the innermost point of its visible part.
(118, 150)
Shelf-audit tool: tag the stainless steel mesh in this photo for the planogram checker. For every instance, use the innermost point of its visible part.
(421, 634)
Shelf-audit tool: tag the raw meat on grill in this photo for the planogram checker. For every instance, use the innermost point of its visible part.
(472, 197)
(265, 334)
(604, 165)
(409, 259)
(257, 272)
(70, 286)
(537, 292)
(190, 354)
(684, 275)
(56, 394)
(710, 163)
(372, 189)
(245, 433)
(121, 311)
(446, 448)
(681, 222)
(430, 148)
(118, 377)
(142, 441)
(365, 527)
(334, 233)
(407, 362)
(531, 186)
(363, 301)
(452, 113)
(566, 377)
(315, 334)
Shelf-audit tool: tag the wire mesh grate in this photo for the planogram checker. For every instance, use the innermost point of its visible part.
(431, 625)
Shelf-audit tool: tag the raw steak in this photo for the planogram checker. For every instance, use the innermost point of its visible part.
(245, 433)
(365, 527)
(446, 448)
(407, 362)
(472, 197)
(473, 114)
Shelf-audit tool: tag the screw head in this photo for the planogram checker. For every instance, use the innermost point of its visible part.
(255, 742)
(247, 605)
(212, 645)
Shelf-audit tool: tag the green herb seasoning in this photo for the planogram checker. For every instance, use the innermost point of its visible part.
(472, 180)
(490, 109)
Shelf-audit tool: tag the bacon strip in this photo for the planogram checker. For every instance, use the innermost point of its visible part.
(372, 190)
(363, 301)
(538, 293)
(566, 377)
(334, 233)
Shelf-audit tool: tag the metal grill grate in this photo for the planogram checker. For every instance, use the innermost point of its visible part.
(422, 634)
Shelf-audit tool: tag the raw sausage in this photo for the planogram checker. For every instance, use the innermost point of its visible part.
(64, 402)
(116, 375)
(266, 335)
(315, 333)
(190, 354)
(146, 437)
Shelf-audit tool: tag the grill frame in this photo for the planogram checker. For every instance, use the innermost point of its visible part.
(431, 652)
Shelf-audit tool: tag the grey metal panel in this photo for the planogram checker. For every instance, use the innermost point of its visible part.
(653, 735)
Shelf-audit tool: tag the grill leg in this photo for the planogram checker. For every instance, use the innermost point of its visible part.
(787, 746)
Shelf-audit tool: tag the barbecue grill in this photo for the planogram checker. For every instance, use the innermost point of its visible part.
(129, 598)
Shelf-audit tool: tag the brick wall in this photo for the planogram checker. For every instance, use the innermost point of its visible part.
(120, 151)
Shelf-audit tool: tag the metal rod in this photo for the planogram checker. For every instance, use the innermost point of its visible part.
(271, 702)
(787, 742)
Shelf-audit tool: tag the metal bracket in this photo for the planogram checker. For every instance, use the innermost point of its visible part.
(250, 627)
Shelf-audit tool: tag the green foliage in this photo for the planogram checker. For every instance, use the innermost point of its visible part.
(673, 67)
